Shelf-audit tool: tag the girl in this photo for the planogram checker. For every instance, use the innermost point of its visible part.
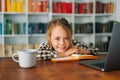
(60, 44)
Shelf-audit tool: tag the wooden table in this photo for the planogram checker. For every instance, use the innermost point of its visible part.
(47, 70)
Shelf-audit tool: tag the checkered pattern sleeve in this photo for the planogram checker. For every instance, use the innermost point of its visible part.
(44, 52)
(89, 47)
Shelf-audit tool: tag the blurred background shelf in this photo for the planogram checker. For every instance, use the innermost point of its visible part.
(23, 23)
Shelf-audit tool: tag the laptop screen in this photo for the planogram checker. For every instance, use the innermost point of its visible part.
(112, 61)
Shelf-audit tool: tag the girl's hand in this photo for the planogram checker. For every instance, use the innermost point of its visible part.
(74, 50)
(83, 51)
(77, 50)
(71, 51)
(68, 52)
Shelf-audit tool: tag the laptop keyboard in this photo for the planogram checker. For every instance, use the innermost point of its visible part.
(101, 65)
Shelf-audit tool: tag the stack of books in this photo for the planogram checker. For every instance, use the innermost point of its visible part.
(62, 7)
(13, 27)
(13, 48)
(10, 49)
(15, 6)
(103, 44)
(104, 27)
(34, 46)
(37, 28)
(38, 5)
(104, 7)
(83, 28)
(84, 8)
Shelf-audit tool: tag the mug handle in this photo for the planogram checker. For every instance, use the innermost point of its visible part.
(13, 57)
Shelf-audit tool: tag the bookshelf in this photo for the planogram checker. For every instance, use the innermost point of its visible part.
(25, 27)
(95, 20)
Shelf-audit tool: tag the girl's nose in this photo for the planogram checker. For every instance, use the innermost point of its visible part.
(62, 41)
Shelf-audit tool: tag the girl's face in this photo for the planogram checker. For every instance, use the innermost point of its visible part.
(60, 40)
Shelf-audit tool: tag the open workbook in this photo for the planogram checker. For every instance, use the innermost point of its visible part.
(74, 57)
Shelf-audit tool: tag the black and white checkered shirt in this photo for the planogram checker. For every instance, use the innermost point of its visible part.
(44, 51)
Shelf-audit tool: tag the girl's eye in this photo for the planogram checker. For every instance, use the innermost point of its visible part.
(66, 38)
(57, 38)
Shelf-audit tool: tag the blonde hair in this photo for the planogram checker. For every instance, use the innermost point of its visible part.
(63, 23)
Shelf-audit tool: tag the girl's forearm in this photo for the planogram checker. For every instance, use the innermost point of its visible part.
(62, 54)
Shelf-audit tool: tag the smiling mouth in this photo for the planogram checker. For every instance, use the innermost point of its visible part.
(62, 48)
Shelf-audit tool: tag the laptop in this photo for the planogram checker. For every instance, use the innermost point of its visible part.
(112, 60)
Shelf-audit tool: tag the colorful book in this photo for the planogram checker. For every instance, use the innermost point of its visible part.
(8, 5)
(18, 5)
(81, 8)
(24, 25)
(30, 28)
(76, 9)
(8, 26)
(39, 6)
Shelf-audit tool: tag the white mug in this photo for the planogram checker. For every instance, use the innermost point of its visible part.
(26, 58)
